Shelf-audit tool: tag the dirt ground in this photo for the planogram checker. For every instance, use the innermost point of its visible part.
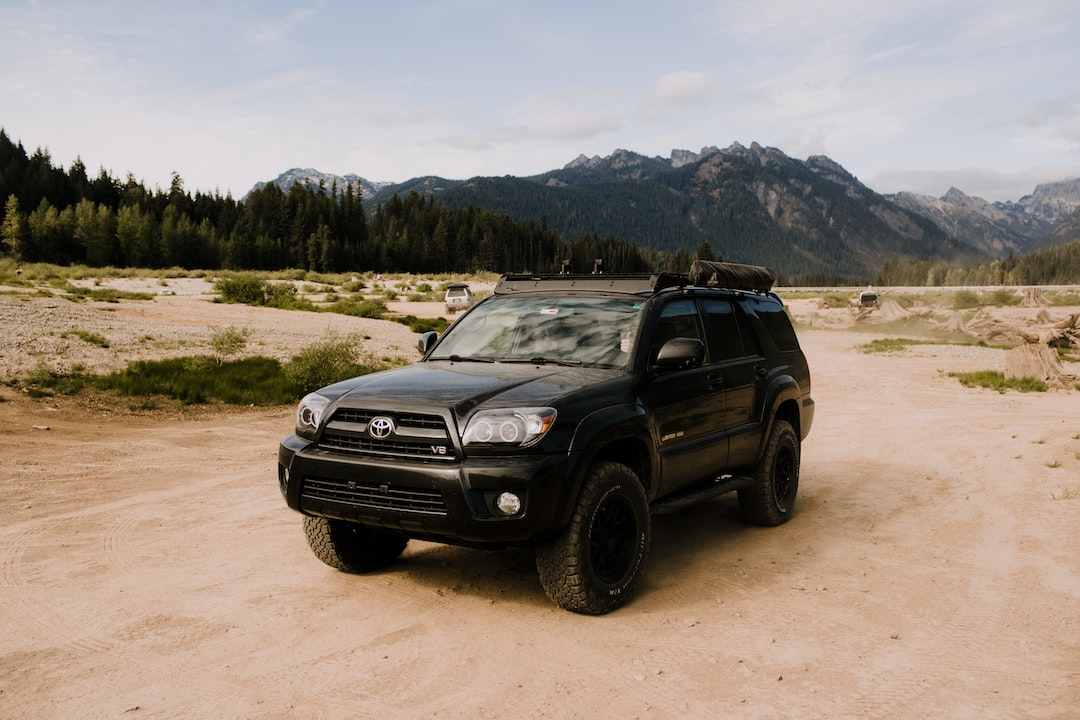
(150, 569)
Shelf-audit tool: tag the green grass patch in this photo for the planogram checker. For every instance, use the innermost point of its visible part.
(1067, 298)
(885, 345)
(1067, 354)
(90, 337)
(374, 309)
(110, 295)
(44, 381)
(994, 380)
(191, 380)
(202, 379)
(421, 325)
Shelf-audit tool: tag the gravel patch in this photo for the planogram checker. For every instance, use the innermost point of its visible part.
(59, 333)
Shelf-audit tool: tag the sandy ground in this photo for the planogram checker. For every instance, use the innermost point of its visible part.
(150, 569)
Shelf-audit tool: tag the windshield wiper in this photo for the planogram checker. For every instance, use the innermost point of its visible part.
(541, 360)
(460, 358)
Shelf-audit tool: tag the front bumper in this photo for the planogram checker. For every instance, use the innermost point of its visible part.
(446, 502)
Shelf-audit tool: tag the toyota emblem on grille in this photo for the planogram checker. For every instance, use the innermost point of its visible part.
(380, 427)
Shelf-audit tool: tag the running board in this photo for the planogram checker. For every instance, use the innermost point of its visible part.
(720, 486)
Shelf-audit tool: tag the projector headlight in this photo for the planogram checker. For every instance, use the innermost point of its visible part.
(309, 414)
(518, 427)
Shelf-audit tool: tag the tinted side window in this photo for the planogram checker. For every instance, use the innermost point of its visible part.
(725, 338)
(777, 324)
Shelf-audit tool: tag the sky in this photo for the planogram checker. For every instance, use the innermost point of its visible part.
(919, 95)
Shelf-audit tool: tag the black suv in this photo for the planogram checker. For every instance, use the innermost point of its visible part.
(558, 414)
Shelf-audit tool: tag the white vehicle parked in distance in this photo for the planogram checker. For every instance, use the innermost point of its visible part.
(458, 297)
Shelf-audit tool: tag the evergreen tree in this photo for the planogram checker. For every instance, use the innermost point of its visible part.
(95, 234)
(15, 232)
(137, 237)
(51, 234)
(704, 252)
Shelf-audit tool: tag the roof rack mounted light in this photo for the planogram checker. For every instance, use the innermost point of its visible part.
(634, 284)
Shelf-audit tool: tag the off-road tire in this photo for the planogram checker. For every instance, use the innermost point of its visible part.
(594, 565)
(771, 498)
(350, 547)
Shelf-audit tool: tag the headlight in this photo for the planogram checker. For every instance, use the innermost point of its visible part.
(519, 427)
(309, 414)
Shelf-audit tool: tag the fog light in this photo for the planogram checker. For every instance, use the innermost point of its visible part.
(508, 503)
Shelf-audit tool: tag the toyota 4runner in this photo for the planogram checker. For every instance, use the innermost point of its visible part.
(560, 413)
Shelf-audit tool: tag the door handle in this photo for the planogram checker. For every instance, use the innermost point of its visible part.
(761, 371)
(715, 382)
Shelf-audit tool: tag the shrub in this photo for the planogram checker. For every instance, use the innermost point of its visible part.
(359, 308)
(244, 288)
(328, 361)
(420, 325)
(836, 300)
(250, 289)
(284, 296)
(965, 299)
(1004, 297)
(227, 342)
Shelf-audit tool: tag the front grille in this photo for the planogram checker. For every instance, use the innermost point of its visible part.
(373, 495)
(414, 436)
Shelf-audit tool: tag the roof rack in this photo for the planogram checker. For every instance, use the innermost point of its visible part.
(633, 284)
(703, 273)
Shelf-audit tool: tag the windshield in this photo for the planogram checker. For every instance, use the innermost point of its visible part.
(595, 331)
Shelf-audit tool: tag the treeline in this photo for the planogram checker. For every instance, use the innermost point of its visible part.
(418, 234)
(1058, 265)
(65, 217)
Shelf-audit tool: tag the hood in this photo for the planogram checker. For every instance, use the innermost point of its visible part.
(432, 386)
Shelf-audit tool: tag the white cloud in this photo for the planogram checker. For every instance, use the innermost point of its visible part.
(682, 88)
(275, 29)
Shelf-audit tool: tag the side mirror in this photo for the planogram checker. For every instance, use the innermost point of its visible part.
(681, 353)
(426, 341)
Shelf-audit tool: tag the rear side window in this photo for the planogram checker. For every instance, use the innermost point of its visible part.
(722, 328)
(776, 323)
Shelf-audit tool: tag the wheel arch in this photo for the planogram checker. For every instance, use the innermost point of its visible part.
(782, 403)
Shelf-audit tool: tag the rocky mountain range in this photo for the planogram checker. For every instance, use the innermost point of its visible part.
(751, 203)
(314, 178)
(1000, 228)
